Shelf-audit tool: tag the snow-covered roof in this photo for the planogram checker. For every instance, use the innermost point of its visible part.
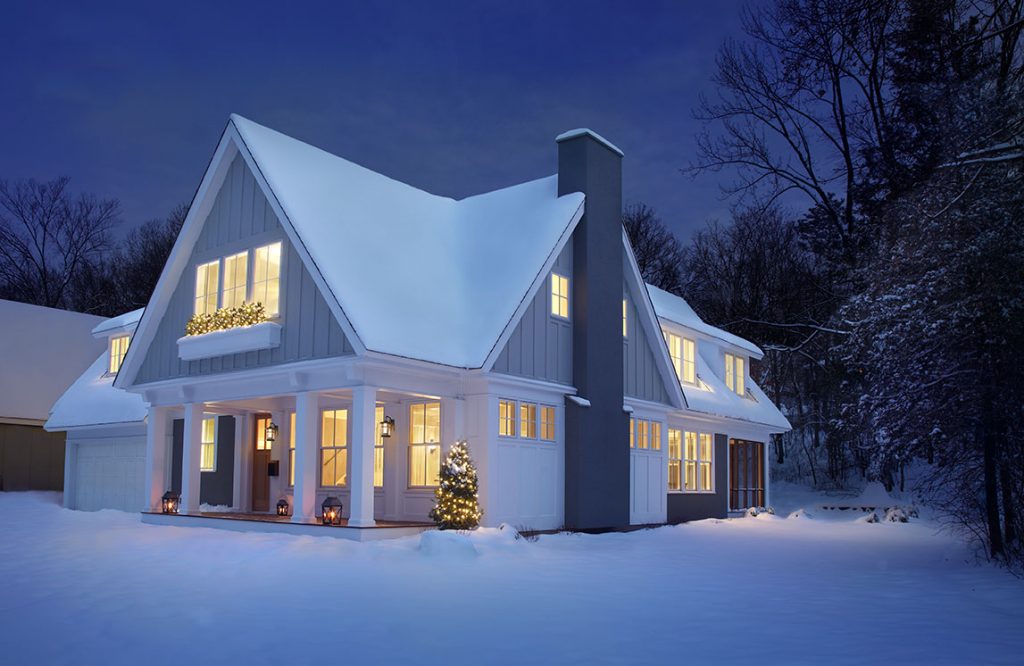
(715, 398)
(583, 131)
(675, 309)
(42, 350)
(92, 399)
(416, 274)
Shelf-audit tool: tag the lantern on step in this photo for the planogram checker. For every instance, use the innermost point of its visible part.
(270, 435)
(282, 507)
(387, 427)
(171, 502)
(330, 511)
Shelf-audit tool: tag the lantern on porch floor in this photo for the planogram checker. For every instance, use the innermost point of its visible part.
(330, 511)
(387, 427)
(171, 502)
(282, 507)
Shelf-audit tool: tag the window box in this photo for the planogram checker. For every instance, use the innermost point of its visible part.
(266, 335)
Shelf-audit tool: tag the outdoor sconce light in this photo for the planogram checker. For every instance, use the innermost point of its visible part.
(271, 433)
(387, 427)
(282, 507)
(330, 511)
(170, 502)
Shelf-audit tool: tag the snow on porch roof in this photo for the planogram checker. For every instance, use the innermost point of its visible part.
(418, 275)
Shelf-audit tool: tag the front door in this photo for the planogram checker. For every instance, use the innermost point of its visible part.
(746, 474)
(260, 461)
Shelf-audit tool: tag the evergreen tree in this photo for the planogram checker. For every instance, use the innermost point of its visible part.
(456, 506)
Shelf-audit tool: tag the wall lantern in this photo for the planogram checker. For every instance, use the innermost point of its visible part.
(171, 502)
(387, 427)
(282, 507)
(271, 433)
(330, 511)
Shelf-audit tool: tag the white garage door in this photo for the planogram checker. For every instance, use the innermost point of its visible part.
(110, 474)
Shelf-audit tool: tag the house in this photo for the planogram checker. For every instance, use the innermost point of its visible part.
(44, 350)
(394, 322)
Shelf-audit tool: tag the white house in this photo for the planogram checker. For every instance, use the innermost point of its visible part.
(396, 322)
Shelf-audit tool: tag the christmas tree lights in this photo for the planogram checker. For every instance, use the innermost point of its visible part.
(455, 500)
(246, 314)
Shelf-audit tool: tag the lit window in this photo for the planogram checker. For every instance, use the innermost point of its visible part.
(675, 351)
(261, 434)
(291, 450)
(528, 420)
(118, 349)
(625, 318)
(266, 284)
(208, 448)
(378, 449)
(334, 448)
(642, 433)
(632, 433)
(559, 295)
(655, 436)
(507, 418)
(547, 424)
(675, 455)
(735, 374)
(425, 444)
(207, 277)
(698, 462)
(689, 361)
(235, 271)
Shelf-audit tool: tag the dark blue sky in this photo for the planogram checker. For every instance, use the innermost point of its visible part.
(455, 98)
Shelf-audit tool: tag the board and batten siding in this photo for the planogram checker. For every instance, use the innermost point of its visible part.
(640, 375)
(540, 346)
(242, 219)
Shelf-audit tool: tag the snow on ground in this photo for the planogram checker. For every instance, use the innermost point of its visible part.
(104, 588)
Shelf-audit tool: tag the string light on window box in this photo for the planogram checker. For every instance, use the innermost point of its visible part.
(456, 506)
(246, 314)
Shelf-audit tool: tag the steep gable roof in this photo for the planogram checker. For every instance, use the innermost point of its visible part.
(675, 309)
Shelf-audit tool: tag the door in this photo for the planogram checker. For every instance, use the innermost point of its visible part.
(260, 462)
(108, 474)
(746, 474)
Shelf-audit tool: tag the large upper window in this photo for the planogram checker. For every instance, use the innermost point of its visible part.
(231, 290)
(684, 356)
(266, 283)
(735, 374)
(208, 445)
(559, 295)
(118, 348)
(235, 271)
(207, 279)
(424, 444)
(334, 448)
(675, 459)
(698, 462)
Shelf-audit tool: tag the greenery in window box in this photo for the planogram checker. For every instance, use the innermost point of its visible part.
(455, 500)
(246, 314)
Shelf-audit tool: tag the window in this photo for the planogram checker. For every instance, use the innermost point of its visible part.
(735, 374)
(655, 436)
(632, 433)
(689, 361)
(559, 295)
(698, 462)
(266, 283)
(644, 434)
(675, 455)
(207, 277)
(334, 448)
(625, 318)
(118, 348)
(291, 450)
(507, 418)
(528, 420)
(424, 444)
(208, 447)
(235, 268)
(378, 449)
(547, 424)
(675, 352)
(261, 434)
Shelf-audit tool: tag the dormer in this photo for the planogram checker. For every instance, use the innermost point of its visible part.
(117, 332)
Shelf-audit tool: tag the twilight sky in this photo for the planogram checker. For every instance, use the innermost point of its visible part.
(455, 98)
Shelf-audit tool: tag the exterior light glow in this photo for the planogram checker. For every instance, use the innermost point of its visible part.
(270, 435)
(282, 507)
(171, 502)
(387, 427)
(330, 511)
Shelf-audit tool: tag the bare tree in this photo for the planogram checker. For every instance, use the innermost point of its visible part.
(657, 250)
(48, 237)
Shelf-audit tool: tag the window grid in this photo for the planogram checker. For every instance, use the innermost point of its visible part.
(507, 418)
(424, 444)
(266, 284)
(547, 423)
(118, 349)
(528, 420)
(689, 361)
(735, 374)
(675, 352)
(235, 272)
(559, 295)
(207, 279)
(675, 455)
(208, 445)
(334, 448)
(261, 434)
(698, 462)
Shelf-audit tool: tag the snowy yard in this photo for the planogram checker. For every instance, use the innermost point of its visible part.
(102, 587)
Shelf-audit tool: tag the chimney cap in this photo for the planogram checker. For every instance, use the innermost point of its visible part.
(583, 131)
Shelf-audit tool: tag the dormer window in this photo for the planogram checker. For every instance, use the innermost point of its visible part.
(683, 352)
(559, 296)
(118, 349)
(735, 374)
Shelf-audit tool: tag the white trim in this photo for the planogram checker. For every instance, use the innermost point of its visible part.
(265, 335)
(582, 402)
(583, 131)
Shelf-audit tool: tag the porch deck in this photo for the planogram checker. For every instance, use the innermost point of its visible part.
(269, 523)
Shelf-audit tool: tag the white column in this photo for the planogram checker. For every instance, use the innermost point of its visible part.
(307, 416)
(364, 404)
(191, 457)
(237, 489)
(156, 458)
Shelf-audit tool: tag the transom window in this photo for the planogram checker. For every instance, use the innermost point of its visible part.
(559, 295)
(378, 449)
(266, 284)
(524, 416)
(235, 269)
(233, 289)
(698, 462)
(118, 349)
(507, 418)
(425, 444)
(528, 420)
(547, 423)
(675, 456)
(735, 374)
(334, 448)
(644, 434)
(207, 278)
(208, 445)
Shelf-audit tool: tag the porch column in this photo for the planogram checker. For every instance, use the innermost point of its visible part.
(156, 458)
(307, 415)
(364, 404)
(238, 494)
(191, 457)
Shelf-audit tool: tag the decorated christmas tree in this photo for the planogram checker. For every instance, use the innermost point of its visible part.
(455, 503)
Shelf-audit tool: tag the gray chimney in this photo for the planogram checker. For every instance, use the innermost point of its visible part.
(597, 483)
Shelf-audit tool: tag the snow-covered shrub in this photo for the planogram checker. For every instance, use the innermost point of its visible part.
(896, 514)
(755, 511)
(800, 513)
(871, 517)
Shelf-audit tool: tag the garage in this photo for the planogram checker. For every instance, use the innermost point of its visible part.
(108, 474)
